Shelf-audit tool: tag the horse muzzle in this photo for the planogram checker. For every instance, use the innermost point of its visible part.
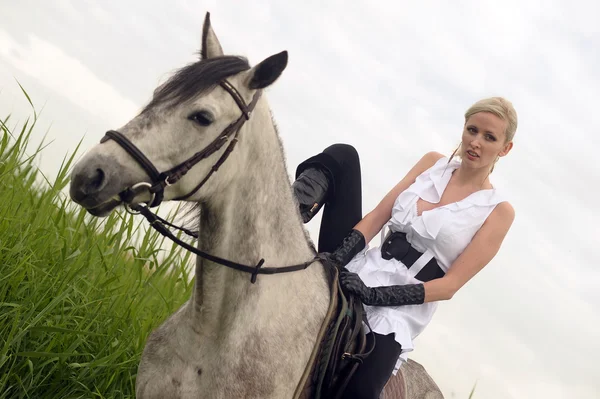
(96, 184)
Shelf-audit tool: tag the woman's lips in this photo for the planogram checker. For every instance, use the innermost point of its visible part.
(472, 155)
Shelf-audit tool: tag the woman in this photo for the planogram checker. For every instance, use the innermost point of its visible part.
(446, 223)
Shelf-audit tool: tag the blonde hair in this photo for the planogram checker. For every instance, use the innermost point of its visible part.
(500, 107)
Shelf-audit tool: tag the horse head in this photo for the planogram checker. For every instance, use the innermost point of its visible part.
(187, 119)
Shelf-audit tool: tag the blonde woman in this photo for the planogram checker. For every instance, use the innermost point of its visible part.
(446, 222)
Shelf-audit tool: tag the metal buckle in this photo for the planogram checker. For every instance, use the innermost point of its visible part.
(131, 211)
(133, 188)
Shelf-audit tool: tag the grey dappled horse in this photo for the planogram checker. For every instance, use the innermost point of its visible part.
(232, 339)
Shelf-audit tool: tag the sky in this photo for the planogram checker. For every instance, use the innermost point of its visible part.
(394, 79)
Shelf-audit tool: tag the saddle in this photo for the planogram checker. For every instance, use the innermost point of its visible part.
(341, 345)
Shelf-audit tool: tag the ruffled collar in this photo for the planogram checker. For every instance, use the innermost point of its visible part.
(440, 176)
(430, 186)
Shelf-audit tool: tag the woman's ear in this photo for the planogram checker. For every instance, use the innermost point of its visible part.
(507, 147)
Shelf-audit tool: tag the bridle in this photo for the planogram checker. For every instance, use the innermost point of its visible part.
(160, 180)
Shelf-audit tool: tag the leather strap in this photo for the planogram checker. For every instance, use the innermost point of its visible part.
(133, 151)
(254, 271)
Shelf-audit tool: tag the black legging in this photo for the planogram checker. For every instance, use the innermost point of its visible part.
(371, 376)
(342, 211)
(343, 208)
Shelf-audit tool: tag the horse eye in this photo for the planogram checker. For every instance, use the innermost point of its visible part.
(202, 118)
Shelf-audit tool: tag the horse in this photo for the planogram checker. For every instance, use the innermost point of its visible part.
(240, 334)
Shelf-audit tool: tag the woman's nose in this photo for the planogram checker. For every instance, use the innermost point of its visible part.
(475, 143)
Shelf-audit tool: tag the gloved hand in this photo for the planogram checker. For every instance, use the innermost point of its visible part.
(353, 284)
(393, 295)
(311, 189)
(352, 244)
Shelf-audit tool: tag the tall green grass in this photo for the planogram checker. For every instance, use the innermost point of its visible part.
(78, 295)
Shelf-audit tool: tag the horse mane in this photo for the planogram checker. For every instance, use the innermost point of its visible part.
(195, 79)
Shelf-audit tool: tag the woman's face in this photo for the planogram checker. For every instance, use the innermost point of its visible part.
(483, 140)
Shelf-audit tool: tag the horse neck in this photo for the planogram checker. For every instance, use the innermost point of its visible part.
(253, 218)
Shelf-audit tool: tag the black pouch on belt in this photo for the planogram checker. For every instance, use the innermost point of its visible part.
(396, 246)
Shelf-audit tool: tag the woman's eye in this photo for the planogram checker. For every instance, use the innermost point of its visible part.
(472, 129)
(490, 137)
(202, 118)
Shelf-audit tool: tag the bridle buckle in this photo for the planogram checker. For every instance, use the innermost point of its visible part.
(134, 188)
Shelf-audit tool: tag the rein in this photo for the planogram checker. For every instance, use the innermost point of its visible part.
(157, 224)
(161, 180)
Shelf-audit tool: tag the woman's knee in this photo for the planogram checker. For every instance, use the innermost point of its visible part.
(343, 153)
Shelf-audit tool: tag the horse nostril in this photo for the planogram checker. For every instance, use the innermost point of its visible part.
(91, 178)
(97, 181)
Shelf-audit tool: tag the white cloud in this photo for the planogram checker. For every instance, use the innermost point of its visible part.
(66, 76)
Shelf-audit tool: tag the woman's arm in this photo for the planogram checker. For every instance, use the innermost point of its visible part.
(480, 251)
(372, 223)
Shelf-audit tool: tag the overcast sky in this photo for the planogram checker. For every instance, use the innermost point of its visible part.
(392, 78)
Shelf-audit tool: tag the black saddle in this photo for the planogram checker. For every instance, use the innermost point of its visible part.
(342, 345)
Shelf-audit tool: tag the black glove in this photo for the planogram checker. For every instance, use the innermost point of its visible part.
(352, 244)
(315, 183)
(393, 295)
(311, 189)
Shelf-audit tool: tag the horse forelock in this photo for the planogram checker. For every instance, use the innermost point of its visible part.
(195, 79)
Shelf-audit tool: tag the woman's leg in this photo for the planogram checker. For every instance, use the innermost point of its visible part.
(343, 199)
(344, 209)
(371, 376)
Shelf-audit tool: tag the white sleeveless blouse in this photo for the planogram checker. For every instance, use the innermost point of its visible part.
(442, 232)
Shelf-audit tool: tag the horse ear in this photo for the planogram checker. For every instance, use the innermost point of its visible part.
(210, 44)
(267, 72)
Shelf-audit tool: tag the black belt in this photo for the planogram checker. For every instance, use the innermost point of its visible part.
(395, 246)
